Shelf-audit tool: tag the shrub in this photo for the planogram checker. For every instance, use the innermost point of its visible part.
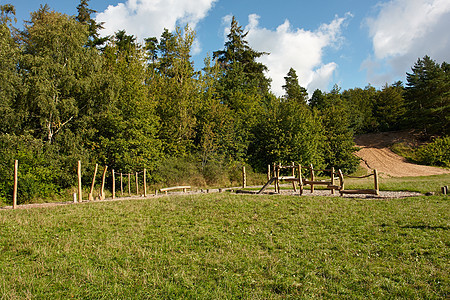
(436, 153)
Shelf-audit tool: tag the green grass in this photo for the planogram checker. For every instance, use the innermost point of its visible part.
(224, 246)
(421, 184)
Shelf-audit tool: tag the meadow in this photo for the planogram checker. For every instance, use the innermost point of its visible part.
(226, 246)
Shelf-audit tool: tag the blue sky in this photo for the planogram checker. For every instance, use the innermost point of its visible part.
(349, 42)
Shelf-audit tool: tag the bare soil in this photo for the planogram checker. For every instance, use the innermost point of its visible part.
(375, 154)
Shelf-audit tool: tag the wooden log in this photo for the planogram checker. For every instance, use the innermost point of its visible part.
(275, 176)
(244, 178)
(371, 192)
(341, 179)
(145, 183)
(80, 188)
(266, 185)
(300, 179)
(121, 183)
(91, 196)
(113, 185)
(268, 172)
(129, 184)
(278, 178)
(332, 180)
(375, 179)
(184, 188)
(316, 182)
(16, 182)
(102, 191)
(293, 175)
(137, 184)
(312, 178)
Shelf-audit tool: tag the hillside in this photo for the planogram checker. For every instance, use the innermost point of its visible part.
(375, 154)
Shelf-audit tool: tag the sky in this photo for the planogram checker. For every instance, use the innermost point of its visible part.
(351, 43)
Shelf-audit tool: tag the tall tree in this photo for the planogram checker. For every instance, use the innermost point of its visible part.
(427, 96)
(84, 17)
(293, 89)
(9, 78)
(52, 68)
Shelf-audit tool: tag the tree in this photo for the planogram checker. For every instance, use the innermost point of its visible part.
(9, 78)
(389, 107)
(427, 96)
(52, 68)
(126, 133)
(84, 17)
(238, 61)
(293, 89)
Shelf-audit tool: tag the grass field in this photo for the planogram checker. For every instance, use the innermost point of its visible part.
(225, 246)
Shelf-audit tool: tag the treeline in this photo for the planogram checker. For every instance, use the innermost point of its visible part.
(68, 94)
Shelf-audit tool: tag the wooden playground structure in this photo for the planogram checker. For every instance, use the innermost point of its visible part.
(335, 182)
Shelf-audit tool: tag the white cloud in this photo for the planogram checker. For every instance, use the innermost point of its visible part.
(403, 31)
(296, 48)
(147, 18)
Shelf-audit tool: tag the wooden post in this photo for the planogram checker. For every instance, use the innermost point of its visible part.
(293, 175)
(312, 177)
(244, 178)
(80, 196)
(268, 172)
(113, 185)
(102, 191)
(275, 175)
(145, 183)
(91, 196)
(121, 184)
(129, 184)
(278, 176)
(16, 175)
(137, 184)
(300, 179)
(375, 179)
(341, 180)
(332, 180)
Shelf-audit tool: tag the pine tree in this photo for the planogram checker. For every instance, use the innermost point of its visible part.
(294, 92)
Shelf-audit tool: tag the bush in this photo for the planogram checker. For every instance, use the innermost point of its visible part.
(436, 153)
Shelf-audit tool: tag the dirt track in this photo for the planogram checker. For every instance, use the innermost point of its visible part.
(375, 154)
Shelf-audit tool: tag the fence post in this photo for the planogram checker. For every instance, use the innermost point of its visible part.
(16, 171)
(145, 182)
(91, 196)
(113, 185)
(137, 184)
(375, 178)
(80, 197)
(268, 172)
(244, 178)
(275, 175)
(332, 180)
(300, 179)
(129, 184)
(102, 191)
(312, 178)
(121, 184)
(293, 175)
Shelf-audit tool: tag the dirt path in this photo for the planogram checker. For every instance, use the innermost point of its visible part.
(375, 154)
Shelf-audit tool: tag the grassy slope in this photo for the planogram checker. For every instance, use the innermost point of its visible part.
(228, 246)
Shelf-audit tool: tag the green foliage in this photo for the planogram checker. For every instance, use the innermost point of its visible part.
(73, 95)
(428, 96)
(436, 153)
(39, 172)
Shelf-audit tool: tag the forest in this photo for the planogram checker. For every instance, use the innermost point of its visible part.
(69, 94)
